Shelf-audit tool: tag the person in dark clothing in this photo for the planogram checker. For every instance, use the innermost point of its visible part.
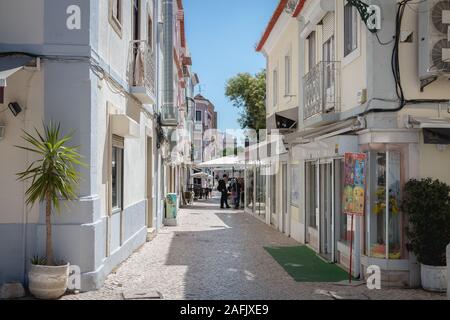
(222, 188)
(236, 190)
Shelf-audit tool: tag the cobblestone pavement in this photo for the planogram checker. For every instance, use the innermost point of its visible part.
(219, 254)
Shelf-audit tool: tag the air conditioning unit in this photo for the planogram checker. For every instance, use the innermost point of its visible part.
(434, 40)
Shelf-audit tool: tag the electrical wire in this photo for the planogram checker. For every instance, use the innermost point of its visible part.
(97, 69)
(383, 43)
(395, 64)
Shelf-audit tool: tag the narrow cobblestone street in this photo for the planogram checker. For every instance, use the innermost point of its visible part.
(219, 254)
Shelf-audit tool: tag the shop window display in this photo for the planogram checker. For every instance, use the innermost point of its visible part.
(384, 223)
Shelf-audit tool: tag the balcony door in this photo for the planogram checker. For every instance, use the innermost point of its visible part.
(329, 77)
(284, 219)
(326, 207)
(136, 21)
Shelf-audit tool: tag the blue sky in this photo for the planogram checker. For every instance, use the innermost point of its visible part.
(222, 35)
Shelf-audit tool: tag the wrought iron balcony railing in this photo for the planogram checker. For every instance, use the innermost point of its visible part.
(169, 115)
(142, 65)
(322, 89)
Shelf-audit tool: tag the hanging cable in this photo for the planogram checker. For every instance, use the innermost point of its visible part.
(96, 68)
(395, 56)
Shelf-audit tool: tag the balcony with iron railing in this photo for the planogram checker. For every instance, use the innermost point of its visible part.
(170, 115)
(142, 71)
(322, 89)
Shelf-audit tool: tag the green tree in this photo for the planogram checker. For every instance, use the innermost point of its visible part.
(248, 94)
(53, 176)
(230, 151)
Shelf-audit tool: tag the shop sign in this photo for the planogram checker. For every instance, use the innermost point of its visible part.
(355, 183)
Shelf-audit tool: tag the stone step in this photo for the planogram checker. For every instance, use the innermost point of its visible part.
(151, 234)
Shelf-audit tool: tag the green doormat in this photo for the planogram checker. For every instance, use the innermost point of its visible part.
(303, 265)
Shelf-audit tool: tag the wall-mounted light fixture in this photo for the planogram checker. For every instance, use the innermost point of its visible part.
(2, 131)
(15, 108)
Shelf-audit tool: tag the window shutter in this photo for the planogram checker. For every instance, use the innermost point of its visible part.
(328, 26)
(312, 50)
(118, 142)
(287, 84)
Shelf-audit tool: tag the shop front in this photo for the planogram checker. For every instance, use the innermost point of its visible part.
(391, 161)
(379, 235)
(256, 184)
(322, 165)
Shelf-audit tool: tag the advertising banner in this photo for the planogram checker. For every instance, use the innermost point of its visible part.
(355, 183)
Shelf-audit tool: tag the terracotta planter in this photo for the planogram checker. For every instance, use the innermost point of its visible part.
(48, 283)
(433, 278)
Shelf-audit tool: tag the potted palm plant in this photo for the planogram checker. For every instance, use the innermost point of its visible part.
(53, 178)
(427, 203)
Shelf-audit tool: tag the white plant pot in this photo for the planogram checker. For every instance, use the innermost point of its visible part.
(47, 282)
(434, 278)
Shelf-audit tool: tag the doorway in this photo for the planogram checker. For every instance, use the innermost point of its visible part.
(273, 200)
(284, 213)
(326, 207)
(136, 20)
(323, 203)
(149, 183)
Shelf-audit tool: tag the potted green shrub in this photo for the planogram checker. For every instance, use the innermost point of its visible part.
(53, 178)
(427, 204)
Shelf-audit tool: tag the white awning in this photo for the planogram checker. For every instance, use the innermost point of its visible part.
(124, 126)
(6, 74)
(418, 122)
(201, 175)
(225, 162)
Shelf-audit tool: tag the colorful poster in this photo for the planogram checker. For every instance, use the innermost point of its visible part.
(355, 184)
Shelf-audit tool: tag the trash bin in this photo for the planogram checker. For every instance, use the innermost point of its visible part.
(170, 218)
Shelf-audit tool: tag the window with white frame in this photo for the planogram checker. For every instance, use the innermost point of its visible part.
(350, 29)
(275, 87)
(287, 75)
(115, 15)
(117, 173)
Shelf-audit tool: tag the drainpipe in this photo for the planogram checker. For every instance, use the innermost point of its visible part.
(25, 207)
(192, 134)
(168, 76)
(157, 185)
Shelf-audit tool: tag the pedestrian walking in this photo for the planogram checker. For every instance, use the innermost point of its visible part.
(223, 189)
(237, 188)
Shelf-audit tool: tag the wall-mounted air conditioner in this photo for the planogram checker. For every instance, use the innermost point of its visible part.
(434, 40)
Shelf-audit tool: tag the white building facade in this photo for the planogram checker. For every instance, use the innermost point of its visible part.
(331, 74)
(95, 67)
